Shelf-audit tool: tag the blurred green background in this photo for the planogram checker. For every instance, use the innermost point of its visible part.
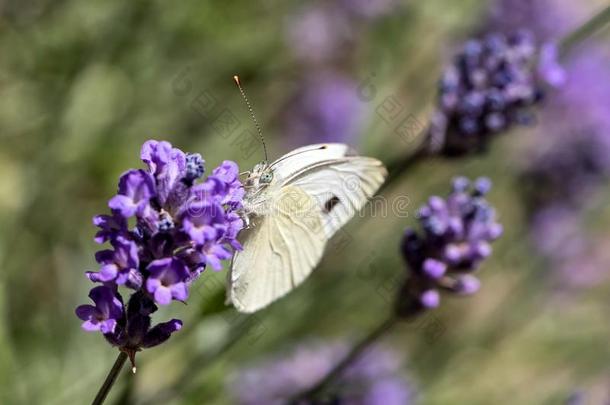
(85, 83)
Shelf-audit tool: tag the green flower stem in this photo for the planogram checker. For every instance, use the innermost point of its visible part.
(596, 23)
(110, 379)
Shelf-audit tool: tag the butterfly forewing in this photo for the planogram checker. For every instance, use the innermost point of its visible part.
(342, 188)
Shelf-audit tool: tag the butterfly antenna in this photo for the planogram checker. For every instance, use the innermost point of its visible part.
(258, 127)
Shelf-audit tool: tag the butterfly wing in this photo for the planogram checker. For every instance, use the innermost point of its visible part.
(318, 189)
(341, 188)
(280, 250)
(339, 180)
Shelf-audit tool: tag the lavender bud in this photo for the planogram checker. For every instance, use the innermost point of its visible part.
(458, 231)
(430, 299)
(194, 166)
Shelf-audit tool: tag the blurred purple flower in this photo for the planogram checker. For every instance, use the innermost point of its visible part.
(374, 379)
(180, 227)
(578, 260)
(325, 105)
(320, 33)
(491, 86)
(326, 108)
(456, 238)
(326, 33)
(580, 108)
(567, 172)
(556, 231)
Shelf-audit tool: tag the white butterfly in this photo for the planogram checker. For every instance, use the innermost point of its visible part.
(292, 207)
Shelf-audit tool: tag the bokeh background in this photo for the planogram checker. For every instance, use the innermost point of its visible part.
(84, 84)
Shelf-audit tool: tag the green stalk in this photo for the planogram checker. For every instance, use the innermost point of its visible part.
(583, 32)
(110, 379)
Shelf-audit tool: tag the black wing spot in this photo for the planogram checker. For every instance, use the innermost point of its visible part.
(331, 203)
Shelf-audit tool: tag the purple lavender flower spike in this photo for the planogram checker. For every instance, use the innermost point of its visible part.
(181, 226)
(491, 86)
(456, 238)
(136, 188)
(108, 310)
(167, 280)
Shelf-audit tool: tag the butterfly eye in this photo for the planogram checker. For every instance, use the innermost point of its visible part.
(266, 178)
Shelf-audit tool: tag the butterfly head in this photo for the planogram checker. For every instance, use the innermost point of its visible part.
(266, 177)
(261, 175)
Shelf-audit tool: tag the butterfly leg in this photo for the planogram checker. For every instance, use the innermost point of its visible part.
(246, 219)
